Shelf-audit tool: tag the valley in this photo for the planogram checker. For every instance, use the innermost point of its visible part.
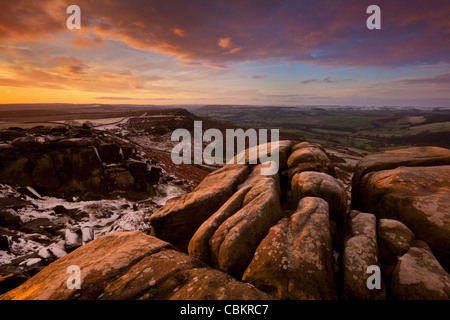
(359, 129)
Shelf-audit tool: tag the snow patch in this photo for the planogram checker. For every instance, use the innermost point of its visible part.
(97, 218)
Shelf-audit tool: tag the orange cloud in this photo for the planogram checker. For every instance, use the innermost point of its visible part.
(61, 59)
(191, 64)
(179, 32)
(324, 32)
(87, 42)
(216, 66)
(80, 69)
(24, 20)
(147, 46)
(224, 43)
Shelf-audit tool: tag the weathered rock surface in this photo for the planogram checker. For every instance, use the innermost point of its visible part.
(307, 156)
(394, 239)
(256, 175)
(409, 192)
(322, 185)
(419, 276)
(132, 265)
(294, 260)
(254, 155)
(360, 252)
(236, 239)
(417, 196)
(284, 233)
(180, 218)
(253, 209)
(199, 245)
(409, 157)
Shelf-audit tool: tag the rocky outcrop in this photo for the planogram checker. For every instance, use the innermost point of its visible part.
(417, 196)
(294, 260)
(408, 191)
(360, 252)
(132, 265)
(225, 233)
(47, 173)
(232, 231)
(409, 157)
(287, 235)
(199, 246)
(236, 239)
(178, 220)
(74, 162)
(230, 236)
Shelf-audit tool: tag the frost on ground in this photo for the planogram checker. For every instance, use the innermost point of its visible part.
(49, 226)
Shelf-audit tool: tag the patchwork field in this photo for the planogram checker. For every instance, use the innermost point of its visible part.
(363, 130)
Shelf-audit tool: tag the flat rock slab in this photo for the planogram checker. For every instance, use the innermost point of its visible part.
(409, 157)
(417, 196)
(132, 265)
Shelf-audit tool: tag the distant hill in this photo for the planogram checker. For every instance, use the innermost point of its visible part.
(360, 129)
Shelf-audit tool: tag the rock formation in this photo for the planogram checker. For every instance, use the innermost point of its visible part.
(50, 178)
(408, 191)
(360, 252)
(231, 236)
(291, 235)
(132, 265)
(419, 276)
(294, 260)
(311, 183)
(178, 220)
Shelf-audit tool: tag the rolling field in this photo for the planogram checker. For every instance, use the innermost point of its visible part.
(361, 130)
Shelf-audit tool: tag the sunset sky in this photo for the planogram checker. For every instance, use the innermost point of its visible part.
(226, 52)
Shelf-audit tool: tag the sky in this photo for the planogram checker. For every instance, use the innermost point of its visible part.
(259, 52)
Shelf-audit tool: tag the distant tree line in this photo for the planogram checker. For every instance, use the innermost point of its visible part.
(426, 138)
(439, 139)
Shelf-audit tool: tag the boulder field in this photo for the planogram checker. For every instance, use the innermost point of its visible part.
(292, 235)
